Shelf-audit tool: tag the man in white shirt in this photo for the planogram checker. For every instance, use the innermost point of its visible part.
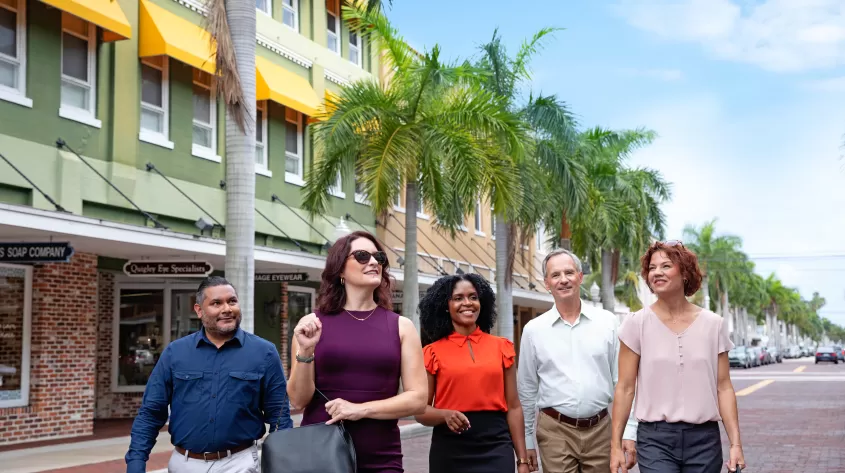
(568, 369)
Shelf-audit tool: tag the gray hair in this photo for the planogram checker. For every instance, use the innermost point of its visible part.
(211, 281)
(560, 251)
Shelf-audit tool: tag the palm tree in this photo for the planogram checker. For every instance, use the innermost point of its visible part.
(714, 253)
(231, 24)
(548, 178)
(432, 129)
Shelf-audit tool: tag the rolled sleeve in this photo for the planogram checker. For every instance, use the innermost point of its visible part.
(527, 385)
(152, 415)
(275, 407)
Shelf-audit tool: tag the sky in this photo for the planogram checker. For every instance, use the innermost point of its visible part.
(746, 97)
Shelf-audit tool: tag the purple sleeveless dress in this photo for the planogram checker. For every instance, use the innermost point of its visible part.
(359, 361)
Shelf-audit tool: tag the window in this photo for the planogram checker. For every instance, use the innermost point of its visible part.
(15, 326)
(205, 117)
(79, 66)
(478, 230)
(540, 237)
(261, 165)
(354, 48)
(398, 203)
(421, 206)
(290, 13)
(13, 52)
(143, 314)
(264, 6)
(293, 147)
(492, 223)
(155, 102)
(333, 25)
(337, 188)
(360, 196)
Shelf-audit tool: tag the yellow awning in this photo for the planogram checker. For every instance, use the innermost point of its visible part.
(104, 13)
(330, 105)
(282, 86)
(167, 34)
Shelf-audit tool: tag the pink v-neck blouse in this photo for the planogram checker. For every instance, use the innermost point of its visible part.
(677, 376)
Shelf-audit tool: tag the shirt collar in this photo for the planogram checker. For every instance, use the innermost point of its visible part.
(240, 335)
(586, 311)
(459, 339)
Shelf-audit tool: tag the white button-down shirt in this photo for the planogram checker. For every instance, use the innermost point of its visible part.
(571, 368)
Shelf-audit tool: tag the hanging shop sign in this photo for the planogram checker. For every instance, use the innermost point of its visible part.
(167, 269)
(281, 277)
(50, 252)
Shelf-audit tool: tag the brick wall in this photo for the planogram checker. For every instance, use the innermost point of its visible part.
(63, 355)
(283, 326)
(110, 405)
(11, 329)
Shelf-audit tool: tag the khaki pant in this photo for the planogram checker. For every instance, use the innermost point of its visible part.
(563, 448)
(246, 461)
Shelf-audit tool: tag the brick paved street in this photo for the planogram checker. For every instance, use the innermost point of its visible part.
(792, 425)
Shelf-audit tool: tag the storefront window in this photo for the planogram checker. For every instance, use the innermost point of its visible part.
(15, 319)
(140, 337)
(300, 304)
(183, 319)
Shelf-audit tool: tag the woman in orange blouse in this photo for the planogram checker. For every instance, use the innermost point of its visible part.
(472, 397)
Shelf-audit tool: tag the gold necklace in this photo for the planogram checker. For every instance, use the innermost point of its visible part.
(358, 318)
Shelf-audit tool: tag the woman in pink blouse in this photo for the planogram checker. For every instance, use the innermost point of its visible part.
(675, 355)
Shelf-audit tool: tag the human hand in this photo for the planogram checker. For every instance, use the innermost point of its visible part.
(340, 409)
(617, 460)
(456, 421)
(523, 468)
(308, 331)
(629, 447)
(737, 458)
(532, 459)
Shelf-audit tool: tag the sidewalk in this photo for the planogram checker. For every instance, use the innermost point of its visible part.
(106, 456)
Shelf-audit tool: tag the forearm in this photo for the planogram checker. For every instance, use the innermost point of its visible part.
(516, 426)
(432, 417)
(300, 386)
(728, 412)
(623, 398)
(144, 433)
(408, 403)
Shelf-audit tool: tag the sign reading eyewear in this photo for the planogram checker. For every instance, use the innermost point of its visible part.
(281, 277)
(35, 252)
(167, 269)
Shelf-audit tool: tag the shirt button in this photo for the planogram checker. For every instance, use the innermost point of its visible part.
(213, 396)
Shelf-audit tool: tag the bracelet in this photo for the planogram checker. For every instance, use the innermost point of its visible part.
(522, 461)
(304, 360)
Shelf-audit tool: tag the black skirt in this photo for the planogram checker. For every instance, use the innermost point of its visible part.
(485, 448)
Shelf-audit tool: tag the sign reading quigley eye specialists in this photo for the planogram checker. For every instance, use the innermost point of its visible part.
(51, 252)
(167, 269)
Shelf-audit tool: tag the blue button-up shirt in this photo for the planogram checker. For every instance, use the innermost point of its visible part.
(219, 398)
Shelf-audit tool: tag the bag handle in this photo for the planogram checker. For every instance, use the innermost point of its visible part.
(279, 422)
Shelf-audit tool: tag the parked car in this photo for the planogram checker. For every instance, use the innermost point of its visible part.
(741, 357)
(775, 355)
(794, 352)
(827, 354)
(840, 353)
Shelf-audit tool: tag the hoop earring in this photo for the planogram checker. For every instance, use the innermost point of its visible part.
(342, 281)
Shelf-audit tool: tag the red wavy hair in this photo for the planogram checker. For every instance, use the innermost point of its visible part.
(332, 295)
(685, 259)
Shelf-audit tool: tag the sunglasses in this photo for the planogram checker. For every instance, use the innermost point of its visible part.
(363, 257)
(669, 243)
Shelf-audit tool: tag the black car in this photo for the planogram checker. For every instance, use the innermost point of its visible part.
(827, 354)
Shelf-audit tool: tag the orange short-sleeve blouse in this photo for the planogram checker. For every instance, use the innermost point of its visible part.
(469, 371)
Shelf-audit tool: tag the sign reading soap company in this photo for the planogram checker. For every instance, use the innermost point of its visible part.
(281, 277)
(35, 252)
(167, 269)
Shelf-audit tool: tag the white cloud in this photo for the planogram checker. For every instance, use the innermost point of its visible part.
(832, 84)
(665, 75)
(777, 35)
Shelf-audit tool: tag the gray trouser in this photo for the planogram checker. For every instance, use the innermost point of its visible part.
(242, 462)
(679, 447)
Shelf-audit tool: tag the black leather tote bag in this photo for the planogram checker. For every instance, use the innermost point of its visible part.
(315, 448)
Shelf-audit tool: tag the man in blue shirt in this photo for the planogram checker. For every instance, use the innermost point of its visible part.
(221, 384)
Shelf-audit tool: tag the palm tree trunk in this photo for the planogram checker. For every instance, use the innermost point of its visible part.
(504, 288)
(240, 165)
(565, 233)
(705, 286)
(608, 298)
(410, 286)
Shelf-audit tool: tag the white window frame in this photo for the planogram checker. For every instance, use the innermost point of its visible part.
(397, 205)
(18, 95)
(152, 137)
(291, 178)
(269, 11)
(492, 224)
(478, 220)
(27, 338)
(359, 47)
(420, 204)
(294, 10)
(168, 287)
(265, 169)
(360, 198)
(200, 151)
(87, 117)
(540, 236)
(337, 188)
(337, 35)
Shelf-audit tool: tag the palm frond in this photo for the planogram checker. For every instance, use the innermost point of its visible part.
(529, 49)
(228, 81)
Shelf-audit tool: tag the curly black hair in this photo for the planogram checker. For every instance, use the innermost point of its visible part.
(435, 319)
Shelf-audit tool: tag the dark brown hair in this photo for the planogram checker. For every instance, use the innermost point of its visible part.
(332, 295)
(685, 259)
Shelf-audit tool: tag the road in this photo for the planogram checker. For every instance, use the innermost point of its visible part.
(791, 416)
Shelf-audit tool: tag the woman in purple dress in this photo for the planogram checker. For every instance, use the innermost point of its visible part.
(355, 350)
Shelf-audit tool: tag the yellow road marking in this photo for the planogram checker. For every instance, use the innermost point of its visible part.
(799, 369)
(751, 389)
